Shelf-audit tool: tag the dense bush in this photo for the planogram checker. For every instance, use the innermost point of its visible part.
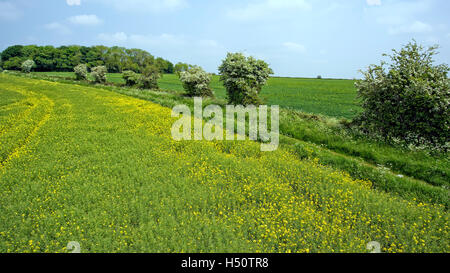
(81, 72)
(319, 77)
(27, 66)
(243, 78)
(408, 101)
(99, 74)
(131, 78)
(196, 82)
(150, 77)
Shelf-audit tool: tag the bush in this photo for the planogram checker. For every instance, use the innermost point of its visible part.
(150, 77)
(244, 78)
(196, 82)
(409, 101)
(99, 74)
(319, 77)
(81, 72)
(28, 65)
(131, 78)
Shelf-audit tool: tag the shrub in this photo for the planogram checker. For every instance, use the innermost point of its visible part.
(99, 74)
(408, 101)
(81, 72)
(131, 78)
(150, 77)
(319, 77)
(243, 78)
(196, 82)
(27, 66)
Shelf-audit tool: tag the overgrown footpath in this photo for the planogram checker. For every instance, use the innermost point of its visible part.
(102, 169)
(416, 174)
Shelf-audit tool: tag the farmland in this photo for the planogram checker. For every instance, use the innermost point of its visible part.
(336, 98)
(98, 165)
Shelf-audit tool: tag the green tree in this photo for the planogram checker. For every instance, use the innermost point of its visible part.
(408, 99)
(150, 77)
(131, 78)
(181, 67)
(11, 52)
(243, 78)
(14, 63)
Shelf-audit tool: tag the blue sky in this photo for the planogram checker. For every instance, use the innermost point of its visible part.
(332, 38)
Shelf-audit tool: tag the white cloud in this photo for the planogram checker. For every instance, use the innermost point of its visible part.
(373, 2)
(57, 27)
(118, 37)
(87, 20)
(73, 2)
(295, 47)
(401, 17)
(163, 42)
(415, 27)
(143, 6)
(262, 9)
(9, 12)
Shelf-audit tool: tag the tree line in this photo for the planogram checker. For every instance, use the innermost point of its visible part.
(66, 58)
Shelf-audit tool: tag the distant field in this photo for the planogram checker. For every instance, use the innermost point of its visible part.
(334, 98)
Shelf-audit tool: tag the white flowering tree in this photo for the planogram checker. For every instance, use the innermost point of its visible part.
(196, 82)
(81, 72)
(244, 77)
(99, 74)
(27, 66)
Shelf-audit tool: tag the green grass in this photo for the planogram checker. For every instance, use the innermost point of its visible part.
(336, 98)
(101, 168)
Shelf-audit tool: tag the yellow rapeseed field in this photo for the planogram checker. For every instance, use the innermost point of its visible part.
(89, 165)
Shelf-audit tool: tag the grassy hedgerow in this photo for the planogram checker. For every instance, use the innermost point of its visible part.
(102, 169)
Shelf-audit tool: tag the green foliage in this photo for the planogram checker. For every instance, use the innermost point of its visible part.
(319, 77)
(150, 76)
(15, 63)
(196, 82)
(181, 67)
(99, 74)
(81, 72)
(27, 66)
(131, 78)
(65, 58)
(409, 100)
(164, 66)
(244, 78)
(11, 52)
